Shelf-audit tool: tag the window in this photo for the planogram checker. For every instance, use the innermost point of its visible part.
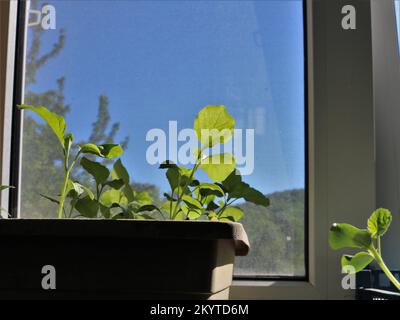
(117, 69)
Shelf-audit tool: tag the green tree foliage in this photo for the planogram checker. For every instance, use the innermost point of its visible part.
(276, 235)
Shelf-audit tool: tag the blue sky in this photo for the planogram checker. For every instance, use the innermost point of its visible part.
(165, 60)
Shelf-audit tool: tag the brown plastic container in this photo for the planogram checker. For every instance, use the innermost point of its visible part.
(119, 259)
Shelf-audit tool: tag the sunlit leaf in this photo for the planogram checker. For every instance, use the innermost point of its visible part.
(213, 125)
(219, 166)
(358, 261)
(343, 235)
(54, 121)
(379, 222)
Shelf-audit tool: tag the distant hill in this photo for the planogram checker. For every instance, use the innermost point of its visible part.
(276, 235)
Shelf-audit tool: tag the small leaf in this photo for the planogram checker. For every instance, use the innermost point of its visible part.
(343, 235)
(213, 125)
(87, 207)
(113, 196)
(119, 172)
(54, 121)
(190, 212)
(148, 207)
(79, 189)
(50, 198)
(105, 150)
(231, 214)
(358, 261)
(191, 203)
(167, 164)
(210, 189)
(379, 222)
(254, 196)
(143, 198)
(3, 187)
(115, 184)
(218, 167)
(68, 141)
(99, 172)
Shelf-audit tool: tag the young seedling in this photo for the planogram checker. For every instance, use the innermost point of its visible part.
(58, 125)
(189, 198)
(343, 235)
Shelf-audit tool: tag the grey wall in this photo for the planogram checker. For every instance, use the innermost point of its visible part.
(344, 123)
(387, 116)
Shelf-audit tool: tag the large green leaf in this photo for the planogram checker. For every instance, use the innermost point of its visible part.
(343, 235)
(213, 125)
(143, 198)
(105, 150)
(87, 207)
(99, 172)
(379, 222)
(358, 261)
(55, 122)
(231, 214)
(190, 212)
(219, 166)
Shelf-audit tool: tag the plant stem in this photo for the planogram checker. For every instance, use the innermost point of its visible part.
(63, 190)
(384, 268)
(378, 240)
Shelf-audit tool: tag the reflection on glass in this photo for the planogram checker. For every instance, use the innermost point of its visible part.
(117, 69)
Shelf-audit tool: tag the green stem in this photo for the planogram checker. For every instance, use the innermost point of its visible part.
(63, 190)
(384, 268)
(379, 245)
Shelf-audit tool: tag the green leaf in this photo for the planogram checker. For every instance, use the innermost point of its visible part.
(218, 167)
(213, 125)
(87, 207)
(379, 222)
(105, 150)
(358, 261)
(119, 172)
(191, 203)
(190, 212)
(148, 207)
(254, 196)
(4, 187)
(99, 172)
(210, 189)
(143, 198)
(237, 189)
(343, 235)
(78, 189)
(173, 177)
(49, 198)
(55, 122)
(167, 164)
(115, 184)
(113, 196)
(231, 214)
(68, 141)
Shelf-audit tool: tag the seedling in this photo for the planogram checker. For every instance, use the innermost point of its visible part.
(58, 125)
(343, 235)
(189, 198)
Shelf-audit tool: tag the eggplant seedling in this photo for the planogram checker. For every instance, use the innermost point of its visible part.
(58, 125)
(343, 235)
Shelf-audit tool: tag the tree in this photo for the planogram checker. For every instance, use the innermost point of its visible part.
(42, 156)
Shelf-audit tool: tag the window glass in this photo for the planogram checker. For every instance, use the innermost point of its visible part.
(397, 9)
(117, 69)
